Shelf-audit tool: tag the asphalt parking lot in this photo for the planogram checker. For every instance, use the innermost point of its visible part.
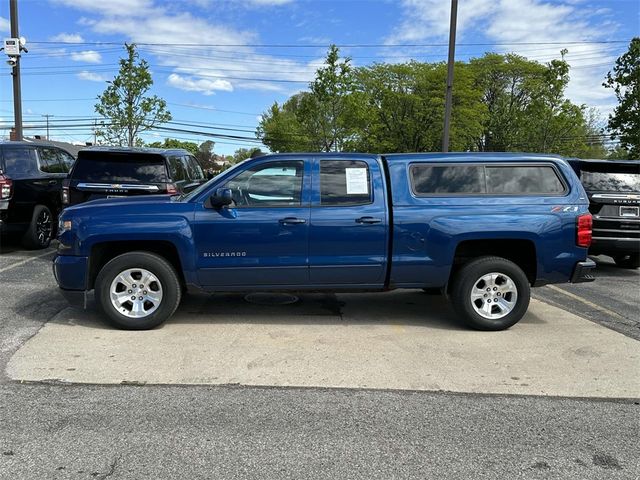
(372, 400)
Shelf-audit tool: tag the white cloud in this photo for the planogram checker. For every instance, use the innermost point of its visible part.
(91, 76)
(68, 38)
(5, 26)
(216, 59)
(519, 21)
(430, 18)
(202, 85)
(87, 56)
(123, 8)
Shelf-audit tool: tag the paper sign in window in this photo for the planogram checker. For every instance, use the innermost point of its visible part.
(357, 181)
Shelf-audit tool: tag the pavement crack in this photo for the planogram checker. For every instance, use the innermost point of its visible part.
(112, 469)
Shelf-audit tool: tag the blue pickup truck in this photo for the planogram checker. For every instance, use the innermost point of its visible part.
(481, 228)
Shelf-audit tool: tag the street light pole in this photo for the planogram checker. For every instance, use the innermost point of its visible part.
(17, 93)
(449, 94)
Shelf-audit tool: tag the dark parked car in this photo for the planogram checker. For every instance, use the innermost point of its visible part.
(613, 187)
(107, 172)
(30, 182)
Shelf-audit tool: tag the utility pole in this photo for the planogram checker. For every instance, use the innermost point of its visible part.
(47, 117)
(449, 94)
(17, 93)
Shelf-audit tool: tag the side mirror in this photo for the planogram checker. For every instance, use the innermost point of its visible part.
(221, 198)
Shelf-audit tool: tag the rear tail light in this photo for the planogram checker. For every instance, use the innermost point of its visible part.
(584, 230)
(6, 187)
(172, 189)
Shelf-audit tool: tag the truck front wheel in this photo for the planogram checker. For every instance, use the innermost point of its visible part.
(490, 293)
(138, 290)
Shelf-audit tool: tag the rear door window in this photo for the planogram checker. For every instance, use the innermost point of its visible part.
(344, 183)
(447, 179)
(49, 161)
(525, 180)
(110, 167)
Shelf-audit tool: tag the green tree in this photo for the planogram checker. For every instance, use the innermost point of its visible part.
(126, 109)
(191, 147)
(244, 153)
(327, 105)
(400, 108)
(624, 122)
(204, 154)
(507, 84)
(316, 120)
(500, 103)
(528, 111)
(283, 129)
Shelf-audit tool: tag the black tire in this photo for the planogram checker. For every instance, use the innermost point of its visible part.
(470, 275)
(630, 260)
(41, 229)
(169, 285)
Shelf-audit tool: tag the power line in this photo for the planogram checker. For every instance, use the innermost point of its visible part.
(213, 109)
(221, 77)
(53, 100)
(346, 45)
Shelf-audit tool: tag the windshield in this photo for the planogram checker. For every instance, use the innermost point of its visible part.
(611, 182)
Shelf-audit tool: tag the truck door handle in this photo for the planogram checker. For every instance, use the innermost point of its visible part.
(52, 182)
(368, 220)
(292, 221)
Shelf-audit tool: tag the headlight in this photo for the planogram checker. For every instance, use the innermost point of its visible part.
(64, 225)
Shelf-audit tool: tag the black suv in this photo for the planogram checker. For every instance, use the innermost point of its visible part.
(106, 172)
(613, 187)
(31, 176)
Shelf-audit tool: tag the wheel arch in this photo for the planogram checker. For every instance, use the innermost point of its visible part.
(103, 252)
(520, 251)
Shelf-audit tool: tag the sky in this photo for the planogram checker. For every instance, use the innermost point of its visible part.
(221, 63)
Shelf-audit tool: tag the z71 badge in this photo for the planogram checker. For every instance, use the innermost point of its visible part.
(561, 208)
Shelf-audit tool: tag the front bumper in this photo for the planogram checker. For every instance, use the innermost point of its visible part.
(582, 272)
(71, 274)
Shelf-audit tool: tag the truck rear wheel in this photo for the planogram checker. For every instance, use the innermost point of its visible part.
(138, 290)
(490, 293)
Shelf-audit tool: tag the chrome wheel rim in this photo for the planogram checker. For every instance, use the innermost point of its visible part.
(43, 227)
(136, 293)
(494, 295)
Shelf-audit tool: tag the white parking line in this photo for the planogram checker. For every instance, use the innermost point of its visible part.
(586, 302)
(26, 260)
